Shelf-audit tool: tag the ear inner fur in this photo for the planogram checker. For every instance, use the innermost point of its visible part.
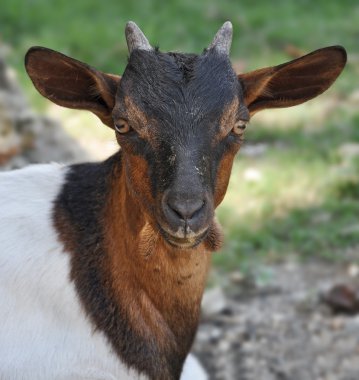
(294, 82)
(71, 83)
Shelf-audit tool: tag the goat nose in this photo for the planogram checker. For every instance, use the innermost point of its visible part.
(185, 209)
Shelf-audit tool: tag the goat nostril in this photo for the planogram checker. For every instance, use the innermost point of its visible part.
(186, 209)
(176, 211)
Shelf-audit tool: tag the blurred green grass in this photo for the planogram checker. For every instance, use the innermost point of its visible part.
(303, 200)
(300, 196)
(93, 32)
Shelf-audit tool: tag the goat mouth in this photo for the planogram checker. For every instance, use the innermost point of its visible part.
(186, 242)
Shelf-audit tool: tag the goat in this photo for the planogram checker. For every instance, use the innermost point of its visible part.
(103, 265)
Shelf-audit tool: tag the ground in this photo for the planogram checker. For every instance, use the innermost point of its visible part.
(280, 330)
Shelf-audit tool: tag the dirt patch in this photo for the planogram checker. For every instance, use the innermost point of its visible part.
(281, 330)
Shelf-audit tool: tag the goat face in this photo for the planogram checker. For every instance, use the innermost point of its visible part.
(178, 115)
(180, 118)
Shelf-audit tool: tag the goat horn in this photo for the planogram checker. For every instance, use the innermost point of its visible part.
(135, 38)
(223, 39)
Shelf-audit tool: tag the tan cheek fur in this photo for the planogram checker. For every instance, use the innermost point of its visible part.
(223, 175)
(138, 120)
(137, 177)
(227, 122)
(228, 119)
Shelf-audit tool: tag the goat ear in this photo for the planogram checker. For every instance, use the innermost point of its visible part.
(71, 83)
(293, 82)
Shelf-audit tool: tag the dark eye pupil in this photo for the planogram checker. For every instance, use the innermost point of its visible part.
(122, 127)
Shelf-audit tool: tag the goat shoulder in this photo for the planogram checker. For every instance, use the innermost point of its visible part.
(40, 308)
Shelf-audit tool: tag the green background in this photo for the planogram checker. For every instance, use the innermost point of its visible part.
(298, 196)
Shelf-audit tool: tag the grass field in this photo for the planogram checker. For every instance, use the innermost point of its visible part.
(295, 186)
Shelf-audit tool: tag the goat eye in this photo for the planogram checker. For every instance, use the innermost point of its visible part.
(240, 126)
(122, 126)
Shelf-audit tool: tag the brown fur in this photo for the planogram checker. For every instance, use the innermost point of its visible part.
(223, 175)
(136, 177)
(148, 293)
(166, 283)
(227, 122)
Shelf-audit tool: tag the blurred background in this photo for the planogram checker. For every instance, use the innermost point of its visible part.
(293, 200)
(295, 186)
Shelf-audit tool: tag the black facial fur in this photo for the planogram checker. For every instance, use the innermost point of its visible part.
(177, 89)
(183, 96)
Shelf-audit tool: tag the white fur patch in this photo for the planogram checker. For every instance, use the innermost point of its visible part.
(193, 370)
(44, 333)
